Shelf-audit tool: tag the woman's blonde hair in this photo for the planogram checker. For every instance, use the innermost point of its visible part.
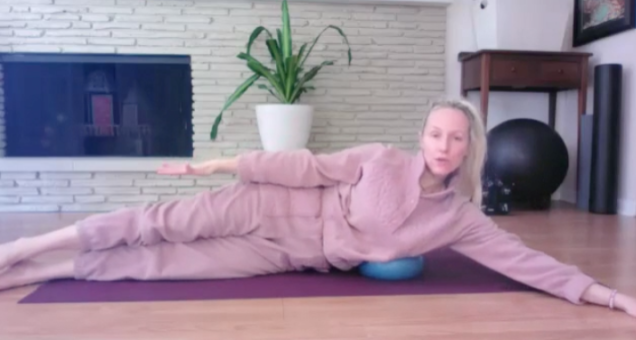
(470, 172)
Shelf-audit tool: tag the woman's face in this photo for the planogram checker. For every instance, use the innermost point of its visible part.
(445, 141)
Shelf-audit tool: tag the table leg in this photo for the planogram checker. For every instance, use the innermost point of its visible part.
(462, 86)
(552, 109)
(485, 86)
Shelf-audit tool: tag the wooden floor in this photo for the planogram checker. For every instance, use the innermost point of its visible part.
(604, 246)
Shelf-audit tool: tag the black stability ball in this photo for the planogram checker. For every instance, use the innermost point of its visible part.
(529, 155)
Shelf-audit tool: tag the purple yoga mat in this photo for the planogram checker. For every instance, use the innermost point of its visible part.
(446, 272)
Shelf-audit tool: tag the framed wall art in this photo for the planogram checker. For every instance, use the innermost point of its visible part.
(597, 19)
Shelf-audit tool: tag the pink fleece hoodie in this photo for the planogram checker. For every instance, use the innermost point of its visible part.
(385, 215)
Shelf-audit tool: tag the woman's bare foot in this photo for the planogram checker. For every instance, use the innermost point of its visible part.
(29, 247)
(31, 272)
(9, 254)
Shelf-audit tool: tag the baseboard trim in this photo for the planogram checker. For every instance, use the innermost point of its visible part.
(627, 207)
(566, 196)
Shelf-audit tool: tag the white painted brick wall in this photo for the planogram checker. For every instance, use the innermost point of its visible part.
(71, 191)
(398, 66)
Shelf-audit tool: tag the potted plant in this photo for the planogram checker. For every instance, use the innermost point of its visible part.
(285, 125)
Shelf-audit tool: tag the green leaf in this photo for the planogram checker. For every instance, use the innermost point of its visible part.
(256, 66)
(236, 95)
(287, 39)
(269, 89)
(307, 77)
(274, 50)
(301, 51)
(279, 34)
(318, 37)
(245, 56)
(257, 31)
(306, 89)
(260, 69)
(291, 76)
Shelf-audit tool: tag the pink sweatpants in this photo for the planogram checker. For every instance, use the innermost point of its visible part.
(236, 231)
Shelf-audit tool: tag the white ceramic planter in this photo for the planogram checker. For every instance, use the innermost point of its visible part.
(284, 126)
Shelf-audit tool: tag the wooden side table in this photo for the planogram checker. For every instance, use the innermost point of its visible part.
(527, 71)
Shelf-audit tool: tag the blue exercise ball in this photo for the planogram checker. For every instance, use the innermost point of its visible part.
(394, 270)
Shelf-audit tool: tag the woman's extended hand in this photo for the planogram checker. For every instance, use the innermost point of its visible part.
(206, 168)
(628, 304)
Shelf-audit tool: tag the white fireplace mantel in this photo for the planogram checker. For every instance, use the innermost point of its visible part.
(87, 164)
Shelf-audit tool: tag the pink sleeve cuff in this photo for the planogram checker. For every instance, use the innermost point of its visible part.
(244, 169)
(576, 287)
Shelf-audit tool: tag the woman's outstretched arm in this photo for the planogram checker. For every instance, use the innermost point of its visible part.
(294, 168)
(302, 168)
(483, 241)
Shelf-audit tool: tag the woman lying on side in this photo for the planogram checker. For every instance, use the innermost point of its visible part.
(294, 210)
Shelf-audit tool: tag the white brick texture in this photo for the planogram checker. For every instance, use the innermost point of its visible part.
(101, 191)
(398, 67)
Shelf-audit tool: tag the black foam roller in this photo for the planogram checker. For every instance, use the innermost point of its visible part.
(608, 83)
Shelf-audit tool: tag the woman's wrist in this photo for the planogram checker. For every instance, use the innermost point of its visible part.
(620, 301)
(228, 165)
(217, 166)
(601, 295)
(598, 294)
